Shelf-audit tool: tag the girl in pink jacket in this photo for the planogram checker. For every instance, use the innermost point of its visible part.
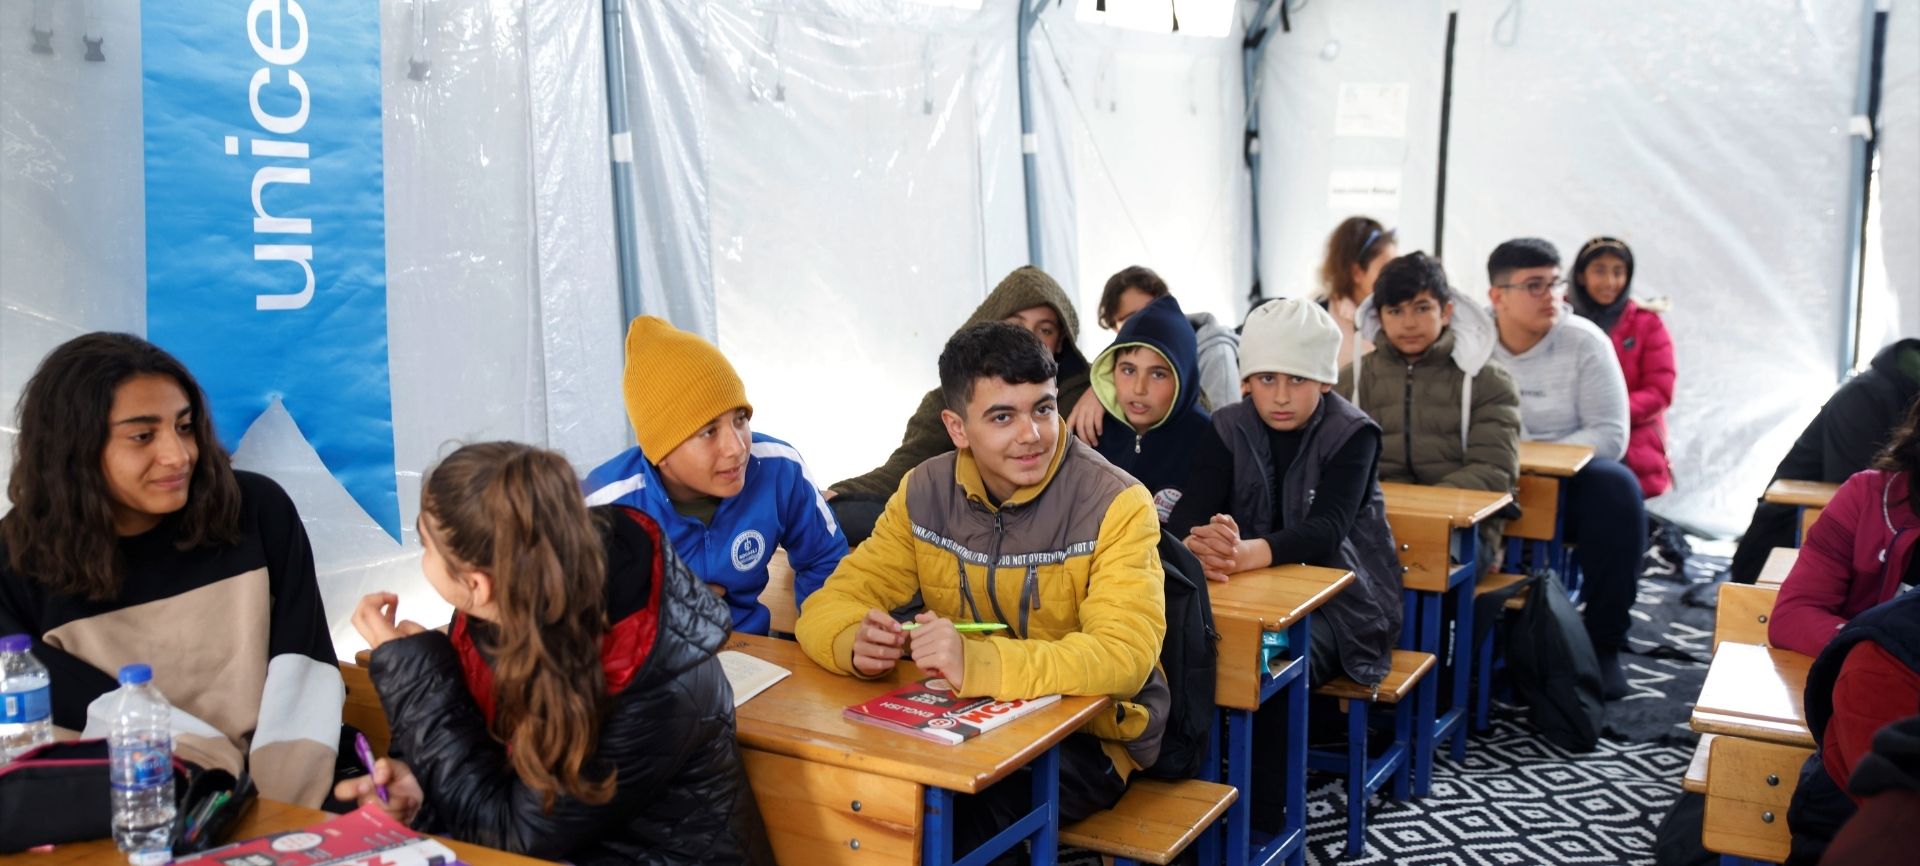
(1861, 551)
(1602, 275)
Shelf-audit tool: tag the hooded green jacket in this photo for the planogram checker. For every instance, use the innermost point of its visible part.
(926, 437)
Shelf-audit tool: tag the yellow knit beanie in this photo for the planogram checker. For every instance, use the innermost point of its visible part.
(675, 382)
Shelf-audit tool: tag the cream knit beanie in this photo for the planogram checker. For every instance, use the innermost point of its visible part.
(1291, 336)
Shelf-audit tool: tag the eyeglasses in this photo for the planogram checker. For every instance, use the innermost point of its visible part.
(1537, 288)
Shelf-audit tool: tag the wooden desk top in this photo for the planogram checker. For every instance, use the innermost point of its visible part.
(1275, 598)
(1461, 508)
(1779, 564)
(1812, 494)
(263, 818)
(1755, 692)
(800, 717)
(1554, 458)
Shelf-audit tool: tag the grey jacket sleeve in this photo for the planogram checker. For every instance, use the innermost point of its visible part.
(1601, 400)
(1220, 376)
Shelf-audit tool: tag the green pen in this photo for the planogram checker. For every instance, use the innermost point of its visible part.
(960, 626)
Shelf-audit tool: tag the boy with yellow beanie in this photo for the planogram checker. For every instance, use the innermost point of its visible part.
(725, 495)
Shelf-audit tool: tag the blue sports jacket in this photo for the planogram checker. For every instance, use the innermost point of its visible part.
(780, 506)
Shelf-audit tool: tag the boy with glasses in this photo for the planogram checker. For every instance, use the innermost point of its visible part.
(1572, 391)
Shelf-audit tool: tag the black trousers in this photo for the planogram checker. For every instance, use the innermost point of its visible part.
(1608, 520)
(1088, 783)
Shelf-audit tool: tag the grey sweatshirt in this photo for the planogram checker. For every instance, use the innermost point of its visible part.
(1219, 360)
(1571, 388)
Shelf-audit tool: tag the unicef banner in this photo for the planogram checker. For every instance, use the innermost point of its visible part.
(266, 239)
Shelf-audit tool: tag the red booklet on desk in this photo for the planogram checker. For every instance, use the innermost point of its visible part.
(930, 710)
(363, 838)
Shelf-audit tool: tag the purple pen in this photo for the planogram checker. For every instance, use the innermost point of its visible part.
(365, 751)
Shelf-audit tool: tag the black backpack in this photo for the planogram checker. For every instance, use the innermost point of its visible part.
(1549, 659)
(1187, 656)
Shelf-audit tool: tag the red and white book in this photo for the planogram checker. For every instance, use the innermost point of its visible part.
(930, 710)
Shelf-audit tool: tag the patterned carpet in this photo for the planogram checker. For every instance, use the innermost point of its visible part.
(1518, 799)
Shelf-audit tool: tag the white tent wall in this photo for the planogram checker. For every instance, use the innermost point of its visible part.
(1713, 139)
(1143, 134)
(1312, 175)
(1896, 314)
(855, 178)
(502, 311)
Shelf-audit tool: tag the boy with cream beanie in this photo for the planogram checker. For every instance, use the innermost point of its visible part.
(1289, 474)
(725, 495)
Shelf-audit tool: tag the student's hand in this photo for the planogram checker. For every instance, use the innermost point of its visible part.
(718, 589)
(403, 790)
(1216, 545)
(877, 646)
(828, 494)
(373, 619)
(938, 649)
(1088, 418)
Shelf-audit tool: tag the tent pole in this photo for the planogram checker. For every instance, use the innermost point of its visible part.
(1861, 144)
(620, 145)
(1252, 49)
(1029, 143)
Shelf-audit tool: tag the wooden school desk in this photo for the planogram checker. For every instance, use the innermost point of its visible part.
(1755, 692)
(1278, 599)
(264, 818)
(836, 791)
(1542, 494)
(1438, 531)
(1810, 497)
(1779, 564)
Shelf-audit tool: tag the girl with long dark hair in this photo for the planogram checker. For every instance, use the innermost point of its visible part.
(575, 709)
(132, 539)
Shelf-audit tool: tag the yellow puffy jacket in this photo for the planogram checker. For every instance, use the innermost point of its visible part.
(1071, 563)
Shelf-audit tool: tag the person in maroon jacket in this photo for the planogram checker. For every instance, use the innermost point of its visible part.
(1861, 551)
(1602, 277)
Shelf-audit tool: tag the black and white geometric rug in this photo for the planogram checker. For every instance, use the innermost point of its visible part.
(1518, 800)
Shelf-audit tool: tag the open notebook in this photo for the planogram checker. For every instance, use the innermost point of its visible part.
(749, 676)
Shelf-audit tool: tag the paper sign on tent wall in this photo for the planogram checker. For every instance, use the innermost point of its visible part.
(1363, 190)
(266, 235)
(1371, 110)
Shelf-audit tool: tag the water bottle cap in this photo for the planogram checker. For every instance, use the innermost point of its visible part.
(133, 675)
(16, 643)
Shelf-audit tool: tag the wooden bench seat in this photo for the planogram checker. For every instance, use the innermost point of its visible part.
(1408, 668)
(1498, 581)
(1695, 781)
(1154, 822)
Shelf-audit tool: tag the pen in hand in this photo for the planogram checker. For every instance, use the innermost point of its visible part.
(365, 751)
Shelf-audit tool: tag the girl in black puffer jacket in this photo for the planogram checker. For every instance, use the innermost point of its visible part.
(575, 710)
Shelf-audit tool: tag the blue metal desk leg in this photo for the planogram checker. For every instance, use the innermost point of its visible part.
(1041, 824)
(1296, 826)
(936, 848)
(1046, 795)
(1460, 654)
(1424, 713)
(1210, 838)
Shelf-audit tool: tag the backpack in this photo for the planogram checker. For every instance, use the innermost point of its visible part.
(1550, 660)
(1187, 657)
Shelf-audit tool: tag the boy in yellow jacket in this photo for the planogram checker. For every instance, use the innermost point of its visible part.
(1025, 526)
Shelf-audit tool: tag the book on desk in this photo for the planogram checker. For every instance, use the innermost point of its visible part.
(929, 709)
(359, 837)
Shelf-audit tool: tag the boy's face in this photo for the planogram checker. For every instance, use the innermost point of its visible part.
(1042, 321)
(1527, 299)
(1145, 385)
(1412, 325)
(712, 462)
(1285, 402)
(1012, 430)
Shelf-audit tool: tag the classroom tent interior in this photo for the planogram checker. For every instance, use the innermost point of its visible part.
(828, 187)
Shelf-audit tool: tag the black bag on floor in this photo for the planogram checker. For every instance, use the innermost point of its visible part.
(1550, 660)
(1188, 656)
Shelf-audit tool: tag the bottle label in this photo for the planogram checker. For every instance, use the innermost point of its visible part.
(143, 768)
(19, 708)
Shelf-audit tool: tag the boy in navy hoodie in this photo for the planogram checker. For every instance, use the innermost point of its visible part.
(1148, 380)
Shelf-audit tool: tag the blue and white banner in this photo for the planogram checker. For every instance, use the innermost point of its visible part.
(266, 236)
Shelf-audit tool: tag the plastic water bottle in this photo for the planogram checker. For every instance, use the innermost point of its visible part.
(141, 746)
(26, 716)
